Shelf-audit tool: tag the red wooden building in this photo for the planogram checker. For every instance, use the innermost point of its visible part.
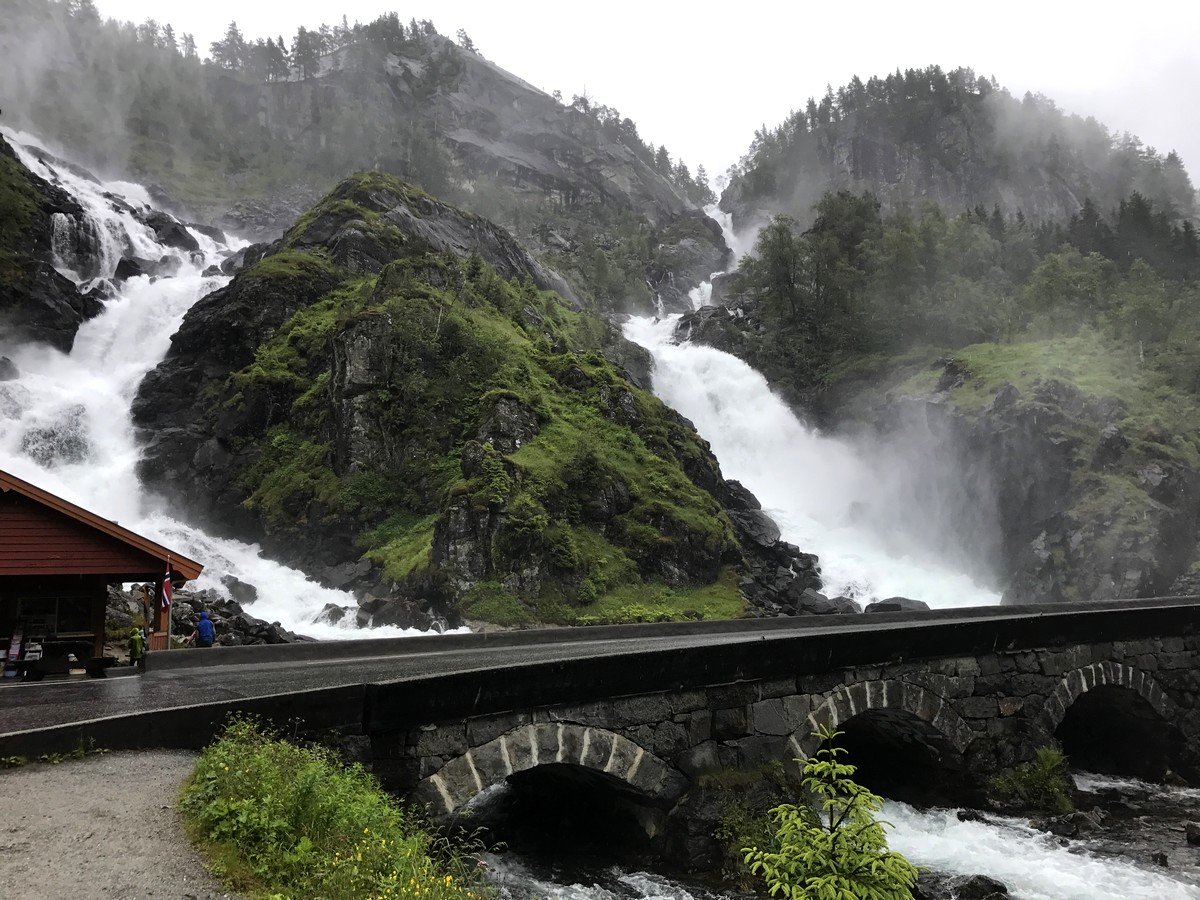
(56, 562)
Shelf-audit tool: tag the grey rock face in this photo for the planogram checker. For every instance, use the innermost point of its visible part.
(42, 305)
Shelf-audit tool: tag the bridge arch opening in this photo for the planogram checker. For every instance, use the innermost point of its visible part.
(564, 812)
(559, 783)
(906, 741)
(1115, 719)
(1113, 730)
(901, 757)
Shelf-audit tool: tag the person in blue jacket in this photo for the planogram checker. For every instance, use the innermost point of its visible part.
(204, 635)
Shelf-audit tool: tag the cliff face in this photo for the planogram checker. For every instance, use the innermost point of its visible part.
(36, 302)
(499, 130)
(1097, 494)
(1082, 457)
(571, 184)
(250, 147)
(391, 400)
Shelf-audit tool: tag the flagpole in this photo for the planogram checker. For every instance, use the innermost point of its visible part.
(168, 607)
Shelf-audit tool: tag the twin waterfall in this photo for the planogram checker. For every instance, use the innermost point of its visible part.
(65, 425)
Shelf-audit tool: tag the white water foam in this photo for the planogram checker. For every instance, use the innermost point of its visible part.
(1034, 865)
(823, 492)
(65, 422)
(515, 881)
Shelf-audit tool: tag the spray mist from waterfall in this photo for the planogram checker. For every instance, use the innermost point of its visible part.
(887, 517)
(65, 422)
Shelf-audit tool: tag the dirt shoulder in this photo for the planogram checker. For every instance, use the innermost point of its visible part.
(104, 826)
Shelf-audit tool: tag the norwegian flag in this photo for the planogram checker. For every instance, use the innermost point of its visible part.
(166, 588)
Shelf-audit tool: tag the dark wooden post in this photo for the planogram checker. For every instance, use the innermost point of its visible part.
(99, 617)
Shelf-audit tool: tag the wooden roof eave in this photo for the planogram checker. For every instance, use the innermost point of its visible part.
(187, 568)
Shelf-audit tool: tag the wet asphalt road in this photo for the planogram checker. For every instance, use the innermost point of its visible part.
(778, 645)
(29, 705)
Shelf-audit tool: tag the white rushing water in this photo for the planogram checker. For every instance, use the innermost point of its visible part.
(879, 524)
(515, 880)
(1033, 864)
(65, 422)
(854, 509)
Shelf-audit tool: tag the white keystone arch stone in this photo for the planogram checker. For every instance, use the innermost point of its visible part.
(847, 701)
(529, 746)
(1079, 681)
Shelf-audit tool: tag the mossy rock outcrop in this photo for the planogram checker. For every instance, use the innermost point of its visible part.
(36, 302)
(394, 383)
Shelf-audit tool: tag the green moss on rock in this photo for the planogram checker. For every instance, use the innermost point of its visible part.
(435, 412)
(18, 206)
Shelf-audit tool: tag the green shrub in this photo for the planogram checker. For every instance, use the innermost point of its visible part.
(1042, 784)
(490, 601)
(292, 821)
(837, 848)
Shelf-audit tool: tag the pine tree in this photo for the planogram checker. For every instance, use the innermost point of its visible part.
(168, 38)
(304, 54)
(662, 161)
(277, 62)
(230, 51)
(148, 33)
(464, 41)
(188, 46)
(83, 10)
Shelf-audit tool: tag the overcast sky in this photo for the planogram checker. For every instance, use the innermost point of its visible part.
(702, 77)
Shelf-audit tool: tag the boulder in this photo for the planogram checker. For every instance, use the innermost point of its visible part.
(897, 604)
(980, 887)
(755, 526)
(1192, 831)
(130, 267)
(240, 591)
(169, 232)
(847, 605)
(331, 614)
(342, 576)
(933, 885)
(8, 369)
(1111, 446)
(814, 603)
(244, 258)
(209, 231)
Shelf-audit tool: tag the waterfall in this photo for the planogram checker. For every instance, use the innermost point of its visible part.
(855, 507)
(65, 422)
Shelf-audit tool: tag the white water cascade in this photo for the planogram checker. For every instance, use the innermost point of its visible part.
(1033, 864)
(65, 422)
(878, 531)
(822, 491)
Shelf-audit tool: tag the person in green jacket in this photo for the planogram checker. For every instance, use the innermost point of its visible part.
(137, 648)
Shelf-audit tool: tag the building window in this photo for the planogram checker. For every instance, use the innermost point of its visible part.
(55, 615)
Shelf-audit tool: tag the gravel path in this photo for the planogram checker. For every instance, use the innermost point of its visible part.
(104, 826)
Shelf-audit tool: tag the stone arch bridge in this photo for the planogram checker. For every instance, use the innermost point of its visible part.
(948, 698)
(934, 698)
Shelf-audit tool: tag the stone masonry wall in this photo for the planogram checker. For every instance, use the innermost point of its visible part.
(994, 710)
